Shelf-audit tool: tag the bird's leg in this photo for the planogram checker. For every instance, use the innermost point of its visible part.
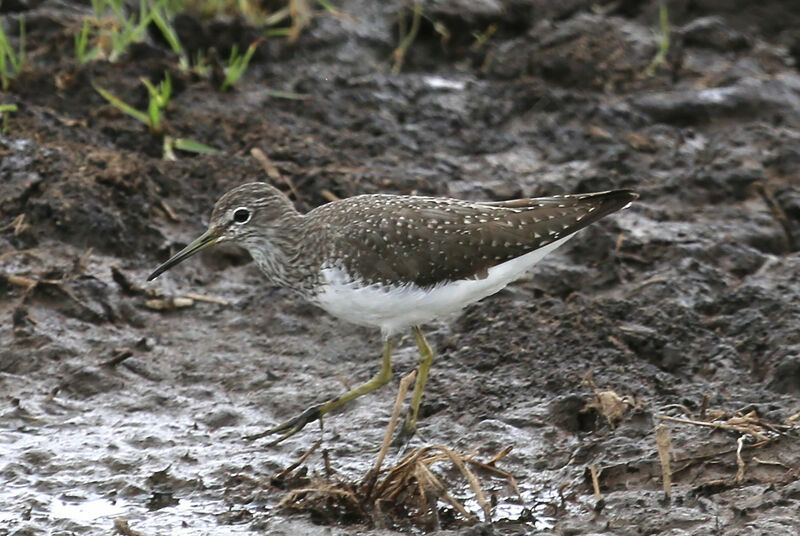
(294, 425)
(425, 362)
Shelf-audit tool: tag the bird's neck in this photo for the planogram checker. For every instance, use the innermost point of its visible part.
(275, 250)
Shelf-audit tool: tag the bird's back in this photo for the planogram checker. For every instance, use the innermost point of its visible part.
(428, 241)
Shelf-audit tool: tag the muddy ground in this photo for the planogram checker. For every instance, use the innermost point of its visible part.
(686, 306)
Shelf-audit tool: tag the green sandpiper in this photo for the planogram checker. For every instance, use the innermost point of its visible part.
(394, 261)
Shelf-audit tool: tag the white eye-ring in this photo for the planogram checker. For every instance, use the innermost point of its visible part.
(241, 215)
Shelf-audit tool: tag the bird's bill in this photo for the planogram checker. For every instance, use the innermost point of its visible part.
(207, 239)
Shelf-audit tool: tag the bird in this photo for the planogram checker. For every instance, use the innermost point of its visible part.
(393, 262)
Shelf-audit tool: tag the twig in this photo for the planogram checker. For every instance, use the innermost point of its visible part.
(492, 469)
(327, 194)
(207, 299)
(18, 224)
(272, 171)
(704, 405)
(473, 483)
(405, 383)
(168, 210)
(721, 425)
(286, 472)
(739, 460)
(124, 282)
(499, 456)
(664, 445)
(406, 39)
(595, 483)
(770, 462)
(21, 281)
(424, 474)
(778, 213)
(119, 355)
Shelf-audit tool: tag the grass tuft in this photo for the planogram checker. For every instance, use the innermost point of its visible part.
(663, 44)
(82, 51)
(159, 99)
(11, 61)
(5, 111)
(237, 65)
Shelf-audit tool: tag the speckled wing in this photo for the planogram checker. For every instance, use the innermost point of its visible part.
(428, 241)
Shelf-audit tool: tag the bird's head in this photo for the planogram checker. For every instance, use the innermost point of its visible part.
(246, 215)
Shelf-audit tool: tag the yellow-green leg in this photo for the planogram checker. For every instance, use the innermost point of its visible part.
(425, 362)
(292, 426)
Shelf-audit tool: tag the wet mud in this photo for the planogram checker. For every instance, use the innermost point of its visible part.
(125, 404)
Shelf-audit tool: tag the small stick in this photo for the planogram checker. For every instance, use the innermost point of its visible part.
(664, 444)
(119, 355)
(21, 281)
(18, 224)
(269, 167)
(739, 460)
(428, 480)
(327, 459)
(208, 299)
(620, 240)
(272, 171)
(492, 469)
(473, 483)
(499, 456)
(595, 483)
(770, 462)
(121, 279)
(405, 383)
(327, 194)
(704, 405)
(168, 210)
(286, 472)
(777, 213)
(722, 425)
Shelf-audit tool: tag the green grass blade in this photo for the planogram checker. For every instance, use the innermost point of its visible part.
(154, 115)
(165, 92)
(6, 109)
(4, 74)
(330, 8)
(237, 65)
(167, 31)
(286, 95)
(193, 146)
(277, 17)
(277, 32)
(663, 44)
(9, 65)
(123, 106)
(82, 43)
(151, 89)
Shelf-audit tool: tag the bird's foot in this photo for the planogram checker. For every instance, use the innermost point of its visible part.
(290, 427)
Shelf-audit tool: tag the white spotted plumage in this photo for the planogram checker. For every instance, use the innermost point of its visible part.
(397, 261)
(393, 308)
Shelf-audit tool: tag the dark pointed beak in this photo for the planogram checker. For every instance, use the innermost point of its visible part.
(207, 239)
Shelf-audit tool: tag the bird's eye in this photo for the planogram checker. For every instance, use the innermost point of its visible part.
(241, 215)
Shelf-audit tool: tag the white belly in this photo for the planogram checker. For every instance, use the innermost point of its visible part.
(395, 308)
